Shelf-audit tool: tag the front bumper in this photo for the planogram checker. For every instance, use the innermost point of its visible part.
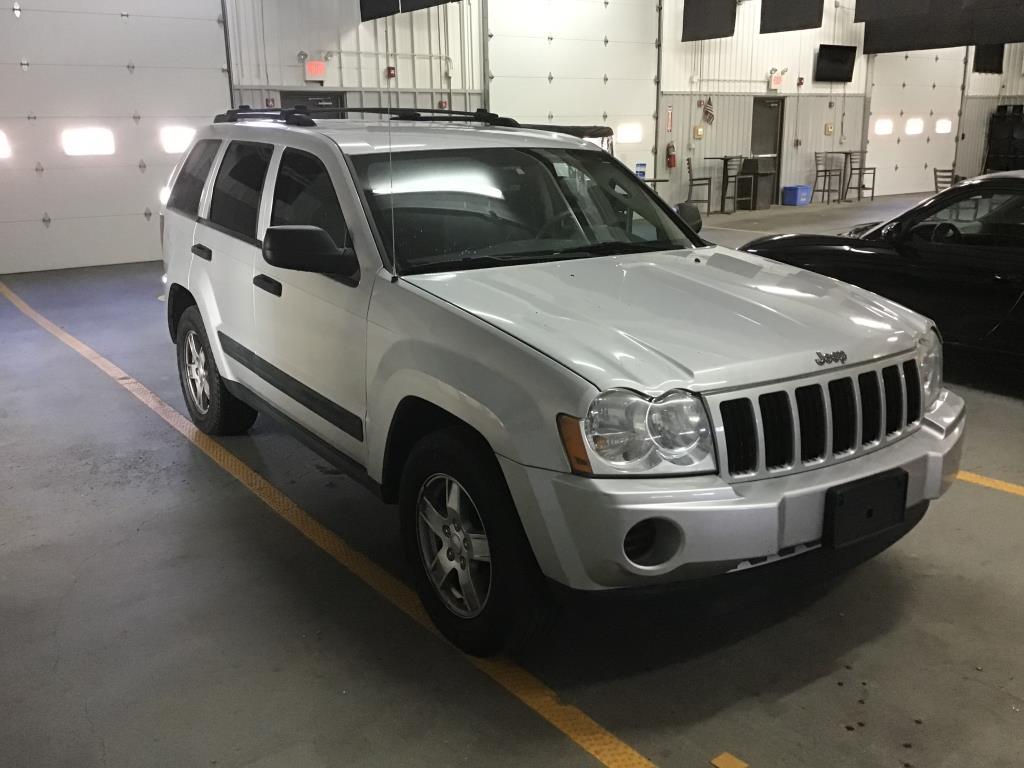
(576, 525)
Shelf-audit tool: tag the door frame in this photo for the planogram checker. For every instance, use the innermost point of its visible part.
(779, 145)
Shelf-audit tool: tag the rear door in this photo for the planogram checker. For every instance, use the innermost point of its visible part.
(182, 209)
(311, 328)
(226, 247)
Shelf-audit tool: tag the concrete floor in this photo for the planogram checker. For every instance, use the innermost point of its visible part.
(153, 612)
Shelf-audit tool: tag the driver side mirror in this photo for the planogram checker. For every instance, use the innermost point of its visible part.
(690, 214)
(309, 249)
(893, 232)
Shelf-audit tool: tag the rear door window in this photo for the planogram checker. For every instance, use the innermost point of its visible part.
(304, 194)
(235, 205)
(189, 186)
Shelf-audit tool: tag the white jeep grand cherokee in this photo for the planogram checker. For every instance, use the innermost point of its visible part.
(510, 335)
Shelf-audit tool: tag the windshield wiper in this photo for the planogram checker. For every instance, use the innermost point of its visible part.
(614, 247)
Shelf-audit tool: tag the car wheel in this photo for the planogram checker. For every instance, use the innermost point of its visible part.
(474, 569)
(213, 409)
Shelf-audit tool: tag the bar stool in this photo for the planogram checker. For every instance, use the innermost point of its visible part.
(822, 173)
(858, 169)
(943, 178)
(734, 177)
(701, 182)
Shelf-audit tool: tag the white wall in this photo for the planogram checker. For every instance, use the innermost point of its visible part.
(437, 51)
(741, 63)
(132, 66)
(578, 62)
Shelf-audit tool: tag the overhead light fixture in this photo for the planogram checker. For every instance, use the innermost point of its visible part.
(883, 127)
(630, 133)
(93, 140)
(914, 126)
(176, 138)
(5, 146)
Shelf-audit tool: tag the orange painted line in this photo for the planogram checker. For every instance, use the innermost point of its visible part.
(726, 760)
(571, 721)
(990, 482)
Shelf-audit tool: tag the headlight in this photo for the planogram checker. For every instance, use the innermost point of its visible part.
(929, 356)
(627, 433)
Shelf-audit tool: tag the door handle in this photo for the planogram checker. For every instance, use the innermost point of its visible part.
(268, 284)
(202, 251)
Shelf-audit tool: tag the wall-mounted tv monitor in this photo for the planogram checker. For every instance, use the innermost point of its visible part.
(835, 63)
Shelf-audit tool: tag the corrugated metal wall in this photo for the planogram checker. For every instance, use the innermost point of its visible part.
(437, 51)
(741, 63)
(805, 119)
(729, 135)
(970, 154)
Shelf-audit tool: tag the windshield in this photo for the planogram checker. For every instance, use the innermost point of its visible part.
(469, 208)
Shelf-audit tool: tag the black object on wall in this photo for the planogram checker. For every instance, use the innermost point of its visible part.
(708, 19)
(376, 9)
(988, 59)
(835, 63)
(1005, 146)
(789, 15)
(968, 22)
(872, 10)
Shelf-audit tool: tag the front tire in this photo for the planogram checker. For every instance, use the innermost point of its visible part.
(473, 566)
(212, 408)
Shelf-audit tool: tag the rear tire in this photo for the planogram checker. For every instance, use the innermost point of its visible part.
(212, 408)
(485, 591)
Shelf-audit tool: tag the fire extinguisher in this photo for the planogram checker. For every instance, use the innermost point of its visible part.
(670, 155)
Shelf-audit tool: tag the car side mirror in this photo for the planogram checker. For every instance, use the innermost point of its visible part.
(309, 249)
(893, 232)
(690, 214)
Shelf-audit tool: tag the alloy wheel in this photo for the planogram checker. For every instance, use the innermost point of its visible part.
(196, 372)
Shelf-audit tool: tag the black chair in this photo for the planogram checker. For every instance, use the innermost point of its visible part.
(734, 177)
(825, 175)
(944, 178)
(700, 182)
(861, 172)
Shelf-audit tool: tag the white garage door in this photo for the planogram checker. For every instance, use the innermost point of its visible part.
(118, 76)
(578, 62)
(915, 98)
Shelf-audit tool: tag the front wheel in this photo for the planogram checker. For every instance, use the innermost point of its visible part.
(474, 569)
(213, 409)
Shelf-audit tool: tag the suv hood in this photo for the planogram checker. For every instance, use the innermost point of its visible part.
(703, 319)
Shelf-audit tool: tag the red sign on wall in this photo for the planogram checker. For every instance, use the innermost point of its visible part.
(316, 70)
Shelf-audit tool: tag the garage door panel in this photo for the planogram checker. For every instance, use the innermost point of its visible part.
(29, 246)
(630, 60)
(71, 192)
(78, 75)
(520, 56)
(520, 95)
(106, 40)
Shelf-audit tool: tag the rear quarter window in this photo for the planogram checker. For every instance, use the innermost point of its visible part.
(189, 186)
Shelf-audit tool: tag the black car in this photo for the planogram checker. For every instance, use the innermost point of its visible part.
(957, 257)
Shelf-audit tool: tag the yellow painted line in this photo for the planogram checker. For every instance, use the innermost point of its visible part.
(991, 482)
(570, 720)
(726, 760)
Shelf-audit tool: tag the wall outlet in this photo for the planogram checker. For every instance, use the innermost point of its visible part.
(698, 132)
(829, 129)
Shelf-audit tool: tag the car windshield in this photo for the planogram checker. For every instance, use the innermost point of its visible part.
(464, 209)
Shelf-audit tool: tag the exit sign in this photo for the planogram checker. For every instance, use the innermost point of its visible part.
(316, 70)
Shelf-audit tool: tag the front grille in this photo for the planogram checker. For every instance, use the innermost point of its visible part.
(777, 429)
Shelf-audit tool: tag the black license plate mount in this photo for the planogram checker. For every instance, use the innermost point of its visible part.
(864, 508)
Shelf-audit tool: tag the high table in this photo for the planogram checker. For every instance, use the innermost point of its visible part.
(847, 175)
(725, 174)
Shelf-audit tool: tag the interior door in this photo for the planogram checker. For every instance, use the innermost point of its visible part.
(311, 328)
(967, 259)
(766, 134)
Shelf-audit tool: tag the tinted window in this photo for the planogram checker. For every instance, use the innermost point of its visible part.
(472, 208)
(304, 194)
(994, 219)
(189, 186)
(236, 193)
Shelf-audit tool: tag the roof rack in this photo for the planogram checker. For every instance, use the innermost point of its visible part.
(303, 116)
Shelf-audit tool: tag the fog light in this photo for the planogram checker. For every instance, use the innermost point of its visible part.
(652, 542)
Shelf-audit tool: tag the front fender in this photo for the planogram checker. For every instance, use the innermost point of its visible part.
(421, 346)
